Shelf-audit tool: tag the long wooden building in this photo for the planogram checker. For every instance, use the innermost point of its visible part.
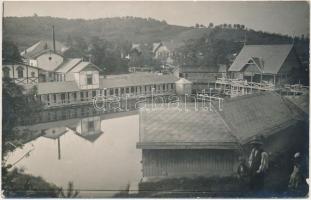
(207, 143)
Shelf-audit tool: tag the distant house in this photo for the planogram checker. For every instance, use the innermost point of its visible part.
(164, 52)
(276, 64)
(136, 58)
(21, 73)
(47, 56)
(202, 78)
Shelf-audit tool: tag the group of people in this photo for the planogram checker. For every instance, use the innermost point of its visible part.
(252, 173)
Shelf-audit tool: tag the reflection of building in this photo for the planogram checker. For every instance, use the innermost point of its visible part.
(177, 143)
(55, 133)
(89, 128)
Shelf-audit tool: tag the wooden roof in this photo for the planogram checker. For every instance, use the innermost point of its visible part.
(272, 57)
(257, 114)
(169, 128)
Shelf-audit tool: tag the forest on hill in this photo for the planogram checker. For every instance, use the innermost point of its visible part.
(105, 40)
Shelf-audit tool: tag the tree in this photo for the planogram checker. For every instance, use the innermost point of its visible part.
(211, 25)
(10, 52)
(71, 193)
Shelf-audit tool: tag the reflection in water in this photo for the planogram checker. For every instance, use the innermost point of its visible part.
(96, 153)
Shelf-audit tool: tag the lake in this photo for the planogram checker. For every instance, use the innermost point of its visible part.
(98, 153)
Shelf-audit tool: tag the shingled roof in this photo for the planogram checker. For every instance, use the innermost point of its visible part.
(57, 87)
(42, 46)
(170, 128)
(273, 57)
(257, 114)
(136, 80)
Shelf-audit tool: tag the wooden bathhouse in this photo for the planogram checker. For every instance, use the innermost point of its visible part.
(275, 64)
(178, 143)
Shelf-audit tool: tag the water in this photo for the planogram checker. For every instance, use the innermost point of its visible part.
(98, 154)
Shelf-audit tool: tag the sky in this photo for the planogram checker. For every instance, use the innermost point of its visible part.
(291, 18)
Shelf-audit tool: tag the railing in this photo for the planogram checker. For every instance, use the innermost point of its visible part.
(31, 80)
(89, 100)
(246, 84)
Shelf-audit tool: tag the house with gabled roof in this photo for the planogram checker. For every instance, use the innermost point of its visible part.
(275, 64)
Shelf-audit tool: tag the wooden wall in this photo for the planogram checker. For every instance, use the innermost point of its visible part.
(184, 162)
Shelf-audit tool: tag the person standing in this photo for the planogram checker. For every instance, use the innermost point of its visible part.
(297, 182)
(258, 165)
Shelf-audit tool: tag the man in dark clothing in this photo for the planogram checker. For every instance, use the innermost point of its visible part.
(258, 164)
(243, 172)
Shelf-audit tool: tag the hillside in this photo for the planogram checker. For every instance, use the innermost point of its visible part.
(25, 31)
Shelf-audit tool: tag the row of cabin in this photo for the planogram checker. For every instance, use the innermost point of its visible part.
(82, 91)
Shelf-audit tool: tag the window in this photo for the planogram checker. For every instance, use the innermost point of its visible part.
(62, 97)
(75, 96)
(81, 96)
(105, 92)
(163, 87)
(20, 71)
(93, 93)
(122, 90)
(54, 96)
(48, 97)
(90, 125)
(127, 90)
(87, 94)
(6, 72)
(132, 89)
(172, 85)
(111, 91)
(89, 79)
(33, 74)
(116, 91)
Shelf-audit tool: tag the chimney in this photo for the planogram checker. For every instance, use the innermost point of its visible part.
(54, 47)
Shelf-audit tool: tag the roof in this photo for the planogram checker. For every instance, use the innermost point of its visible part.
(183, 81)
(171, 128)
(57, 87)
(42, 46)
(68, 65)
(91, 137)
(257, 114)
(155, 46)
(136, 80)
(137, 47)
(8, 63)
(198, 69)
(301, 101)
(273, 57)
(82, 65)
(222, 68)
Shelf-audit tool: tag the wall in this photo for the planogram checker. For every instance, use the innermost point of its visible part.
(183, 162)
(27, 74)
(44, 61)
(82, 80)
